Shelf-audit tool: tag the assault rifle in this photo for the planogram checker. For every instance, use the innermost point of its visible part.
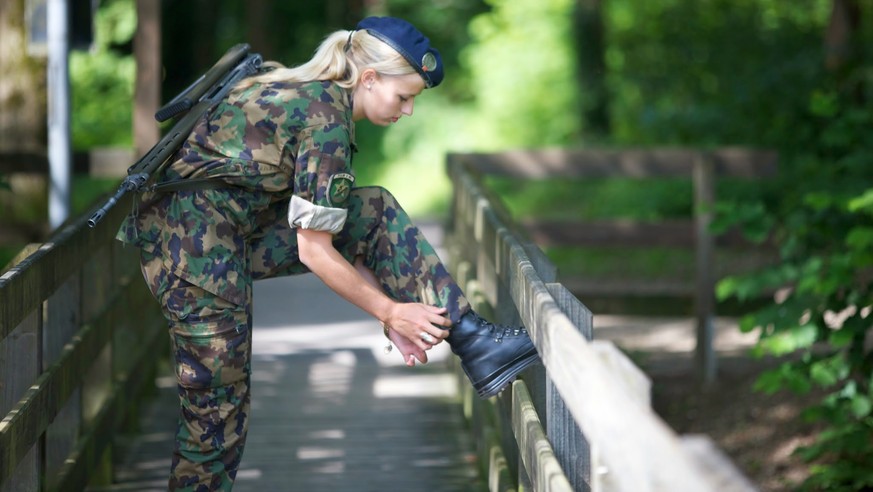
(193, 102)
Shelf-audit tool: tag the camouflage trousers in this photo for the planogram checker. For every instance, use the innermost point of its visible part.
(211, 336)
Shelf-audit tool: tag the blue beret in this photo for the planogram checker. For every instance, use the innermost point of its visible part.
(410, 43)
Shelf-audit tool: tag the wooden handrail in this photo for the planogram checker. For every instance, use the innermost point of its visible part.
(636, 450)
(74, 363)
(626, 162)
(702, 166)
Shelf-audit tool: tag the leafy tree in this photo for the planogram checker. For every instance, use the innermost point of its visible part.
(102, 80)
(823, 222)
(825, 229)
(752, 72)
(711, 73)
(522, 70)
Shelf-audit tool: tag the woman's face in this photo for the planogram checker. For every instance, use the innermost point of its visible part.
(383, 99)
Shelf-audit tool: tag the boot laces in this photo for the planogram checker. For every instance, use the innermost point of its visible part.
(500, 331)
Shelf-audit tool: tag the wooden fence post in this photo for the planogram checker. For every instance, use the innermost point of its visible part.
(704, 200)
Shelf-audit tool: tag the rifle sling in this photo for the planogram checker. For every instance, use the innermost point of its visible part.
(189, 185)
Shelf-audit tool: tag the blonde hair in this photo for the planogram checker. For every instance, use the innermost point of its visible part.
(332, 61)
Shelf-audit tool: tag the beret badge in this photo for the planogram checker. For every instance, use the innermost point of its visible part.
(428, 62)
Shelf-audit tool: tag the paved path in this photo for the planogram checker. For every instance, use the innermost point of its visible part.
(330, 410)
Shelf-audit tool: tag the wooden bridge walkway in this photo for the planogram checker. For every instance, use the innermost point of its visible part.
(330, 410)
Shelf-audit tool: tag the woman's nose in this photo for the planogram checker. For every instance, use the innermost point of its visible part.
(407, 108)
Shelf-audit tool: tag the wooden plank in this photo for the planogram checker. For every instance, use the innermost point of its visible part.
(639, 452)
(24, 286)
(62, 320)
(20, 361)
(625, 162)
(583, 287)
(618, 233)
(536, 452)
(20, 429)
(633, 380)
(624, 233)
(126, 391)
(570, 444)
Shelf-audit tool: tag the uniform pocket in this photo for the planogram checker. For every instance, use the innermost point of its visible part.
(222, 276)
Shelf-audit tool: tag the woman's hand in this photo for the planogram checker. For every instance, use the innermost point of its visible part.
(407, 322)
(414, 347)
(408, 350)
(417, 325)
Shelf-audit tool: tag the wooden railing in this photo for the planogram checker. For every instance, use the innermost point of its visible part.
(582, 421)
(701, 167)
(80, 340)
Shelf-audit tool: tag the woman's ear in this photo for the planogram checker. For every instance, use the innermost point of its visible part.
(368, 78)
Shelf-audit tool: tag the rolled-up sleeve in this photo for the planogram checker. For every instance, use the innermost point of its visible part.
(322, 179)
(306, 215)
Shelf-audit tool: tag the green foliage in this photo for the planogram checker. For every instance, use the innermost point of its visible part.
(522, 72)
(102, 80)
(824, 225)
(712, 72)
(751, 72)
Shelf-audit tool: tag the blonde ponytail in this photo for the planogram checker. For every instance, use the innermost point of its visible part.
(341, 57)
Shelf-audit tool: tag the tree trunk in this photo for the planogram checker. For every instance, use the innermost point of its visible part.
(258, 34)
(840, 34)
(22, 85)
(147, 92)
(590, 50)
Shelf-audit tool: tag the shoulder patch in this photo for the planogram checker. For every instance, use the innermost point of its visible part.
(338, 189)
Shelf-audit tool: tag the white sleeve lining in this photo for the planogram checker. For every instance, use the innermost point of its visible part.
(306, 215)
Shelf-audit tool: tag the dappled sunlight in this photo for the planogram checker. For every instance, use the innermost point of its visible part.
(366, 335)
(332, 375)
(318, 453)
(416, 386)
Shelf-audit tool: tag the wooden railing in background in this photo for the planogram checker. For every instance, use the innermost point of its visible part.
(582, 421)
(80, 340)
(702, 167)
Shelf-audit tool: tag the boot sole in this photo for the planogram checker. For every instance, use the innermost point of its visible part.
(494, 383)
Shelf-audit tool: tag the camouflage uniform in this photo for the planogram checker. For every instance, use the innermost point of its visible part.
(285, 151)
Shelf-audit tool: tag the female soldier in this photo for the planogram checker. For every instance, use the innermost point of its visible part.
(278, 199)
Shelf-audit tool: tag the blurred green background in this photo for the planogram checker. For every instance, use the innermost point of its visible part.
(793, 76)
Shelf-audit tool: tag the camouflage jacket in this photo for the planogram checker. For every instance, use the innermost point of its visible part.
(277, 142)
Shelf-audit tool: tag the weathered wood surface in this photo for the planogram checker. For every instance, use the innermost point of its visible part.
(26, 285)
(66, 406)
(536, 452)
(637, 451)
(626, 162)
(623, 233)
(702, 166)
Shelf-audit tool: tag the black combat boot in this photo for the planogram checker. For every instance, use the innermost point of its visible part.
(492, 355)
